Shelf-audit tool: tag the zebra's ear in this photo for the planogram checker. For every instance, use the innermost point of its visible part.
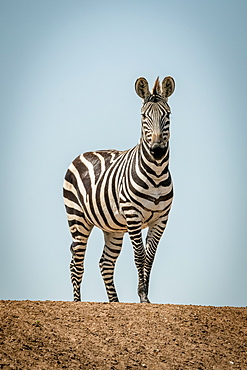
(168, 86)
(141, 87)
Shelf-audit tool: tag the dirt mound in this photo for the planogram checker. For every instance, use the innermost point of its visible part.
(68, 335)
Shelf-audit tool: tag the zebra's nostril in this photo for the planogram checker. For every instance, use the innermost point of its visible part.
(157, 145)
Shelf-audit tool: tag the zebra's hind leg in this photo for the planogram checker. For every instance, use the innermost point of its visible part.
(80, 233)
(112, 248)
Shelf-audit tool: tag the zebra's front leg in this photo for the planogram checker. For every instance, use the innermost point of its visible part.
(112, 249)
(153, 237)
(139, 256)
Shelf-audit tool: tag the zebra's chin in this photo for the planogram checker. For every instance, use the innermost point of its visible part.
(158, 152)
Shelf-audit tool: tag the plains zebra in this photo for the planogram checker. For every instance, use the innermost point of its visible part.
(123, 191)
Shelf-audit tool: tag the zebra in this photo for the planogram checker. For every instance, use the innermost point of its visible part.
(123, 191)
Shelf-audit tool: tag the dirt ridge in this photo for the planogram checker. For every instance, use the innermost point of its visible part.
(85, 335)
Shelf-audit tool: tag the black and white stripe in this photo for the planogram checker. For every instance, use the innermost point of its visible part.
(123, 191)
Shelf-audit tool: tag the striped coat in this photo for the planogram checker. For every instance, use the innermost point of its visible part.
(123, 191)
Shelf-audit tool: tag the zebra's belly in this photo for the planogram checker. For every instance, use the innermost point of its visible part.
(105, 215)
(108, 212)
(118, 222)
(111, 218)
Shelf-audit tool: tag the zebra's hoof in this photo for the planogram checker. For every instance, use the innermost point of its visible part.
(144, 300)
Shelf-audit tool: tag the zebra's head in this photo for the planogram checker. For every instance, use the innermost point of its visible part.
(155, 114)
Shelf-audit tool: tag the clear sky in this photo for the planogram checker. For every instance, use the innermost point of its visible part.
(68, 70)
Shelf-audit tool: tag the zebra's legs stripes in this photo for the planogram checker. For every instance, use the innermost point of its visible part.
(139, 257)
(80, 234)
(153, 237)
(112, 249)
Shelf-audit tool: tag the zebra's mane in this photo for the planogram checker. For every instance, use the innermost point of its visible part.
(156, 88)
(155, 96)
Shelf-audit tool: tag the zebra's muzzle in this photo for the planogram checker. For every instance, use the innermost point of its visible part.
(158, 150)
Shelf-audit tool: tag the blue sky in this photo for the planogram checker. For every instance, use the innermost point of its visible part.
(68, 70)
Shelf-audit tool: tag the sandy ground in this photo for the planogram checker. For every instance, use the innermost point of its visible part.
(68, 335)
